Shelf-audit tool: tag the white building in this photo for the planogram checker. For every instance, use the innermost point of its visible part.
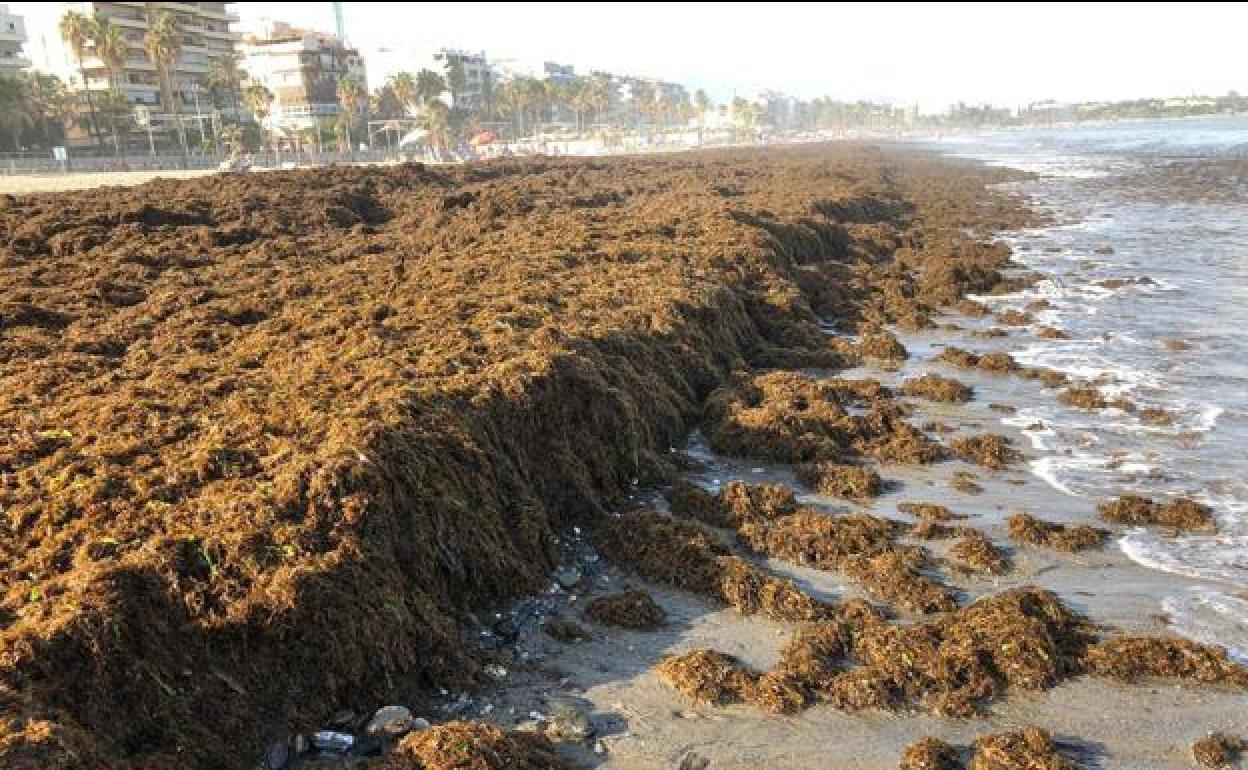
(301, 68)
(12, 38)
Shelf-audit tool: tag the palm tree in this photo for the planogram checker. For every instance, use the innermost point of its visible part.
(16, 111)
(163, 44)
(350, 92)
(435, 118)
(260, 100)
(404, 86)
(224, 76)
(429, 86)
(701, 103)
(77, 30)
(600, 93)
(534, 96)
(113, 50)
(511, 102)
(456, 78)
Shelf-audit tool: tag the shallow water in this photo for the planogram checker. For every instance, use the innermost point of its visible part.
(1169, 199)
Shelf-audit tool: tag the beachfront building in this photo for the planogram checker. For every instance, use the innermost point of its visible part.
(12, 38)
(206, 36)
(301, 68)
(624, 92)
(478, 76)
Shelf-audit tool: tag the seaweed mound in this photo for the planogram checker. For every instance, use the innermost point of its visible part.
(839, 479)
(1028, 530)
(1084, 398)
(686, 555)
(937, 388)
(930, 754)
(976, 552)
(634, 609)
(933, 511)
(473, 746)
(706, 676)
(1217, 750)
(1028, 749)
(989, 450)
(1014, 318)
(1182, 514)
(790, 417)
(1136, 657)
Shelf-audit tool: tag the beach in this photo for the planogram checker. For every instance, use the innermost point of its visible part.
(290, 444)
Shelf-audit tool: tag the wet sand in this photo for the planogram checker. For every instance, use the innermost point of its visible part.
(1145, 725)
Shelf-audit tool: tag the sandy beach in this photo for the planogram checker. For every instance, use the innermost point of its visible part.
(25, 184)
(293, 447)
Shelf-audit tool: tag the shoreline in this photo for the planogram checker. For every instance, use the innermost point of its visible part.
(795, 217)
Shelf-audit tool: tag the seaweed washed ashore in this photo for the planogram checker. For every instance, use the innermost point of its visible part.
(270, 437)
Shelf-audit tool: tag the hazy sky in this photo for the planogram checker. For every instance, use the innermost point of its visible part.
(927, 54)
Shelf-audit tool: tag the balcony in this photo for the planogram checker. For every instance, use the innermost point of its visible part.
(14, 63)
(17, 36)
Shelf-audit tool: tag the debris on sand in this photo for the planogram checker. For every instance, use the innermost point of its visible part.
(964, 482)
(927, 529)
(472, 746)
(733, 504)
(776, 693)
(1217, 750)
(828, 477)
(1083, 398)
(1014, 318)
(1182, 514)
(564, 630)
(955, 356)
(1137, 657)
(691, 501)
(971, 308)
(1021, 638)
(931, 754)
(790, 417)
(1028, 749)
(1028, 530)
(937, 388)
(862, 547)
(1051, 333)
(706, 676)
(975, 552)
(686, 555)
(635, 609)
(992, 332)
(882, 345)
(1050, 378)
(1157, 416)
(997, 363)
(990, 450)
(933, 511)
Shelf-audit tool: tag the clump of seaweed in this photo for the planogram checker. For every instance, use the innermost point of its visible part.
(955, 356)
(840, 479)
(1182, 514)
(1029, 530)
(706, 676)
(1050, 378)
(1156, 415)
(686, 555)
(930, 753)
(1028, 749)
(564, 630)
(1014, 318)
(694, 502)
(1051, 333)
(990, 450)
(933, 511)
(1217, 750)
(1084, 398)
(964, 482)
(997, 363)
(937, 388)
(927, 529)
(473, 746)
(789, 417)
(739, 501)
(1129, 658)
(976, 552)
(634, 609)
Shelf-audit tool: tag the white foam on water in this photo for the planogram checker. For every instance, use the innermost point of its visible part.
(1050, 470)
(1211, 617)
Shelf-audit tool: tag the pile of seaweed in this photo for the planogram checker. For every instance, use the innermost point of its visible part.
(269, 435)
(999, 363)
(937, 388)
(768, 521)
(791, 417)
(472, 746)
(1029, 530)
(1181, 514)
(1028, 749)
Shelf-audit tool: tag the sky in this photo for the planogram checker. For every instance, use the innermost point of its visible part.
(931, 55)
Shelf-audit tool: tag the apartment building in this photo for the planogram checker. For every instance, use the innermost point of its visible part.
(12, 38)
(301, 68)
(206, 35)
